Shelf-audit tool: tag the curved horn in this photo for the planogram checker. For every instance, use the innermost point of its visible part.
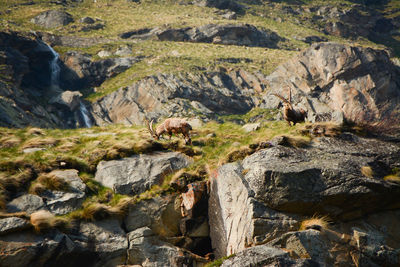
(150, 127)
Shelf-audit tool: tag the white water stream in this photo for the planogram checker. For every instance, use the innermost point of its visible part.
(55, 84)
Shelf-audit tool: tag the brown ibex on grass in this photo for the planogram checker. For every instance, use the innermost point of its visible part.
(290, 114)
(171, 126)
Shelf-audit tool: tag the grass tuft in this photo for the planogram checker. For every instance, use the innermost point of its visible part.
(43, 220)
(315, 222)
(367, 171)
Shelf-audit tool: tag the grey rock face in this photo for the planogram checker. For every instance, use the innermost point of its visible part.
(325, 178)
(330, 78)
(181, 95)
(92, 73)
(53, 19)
(146, 249)
(107, 239)
(264, 256)
(71, 99)
(137, 174)
(251, 127)
(13, 224)
(159, 214)
(229, 34)
(28, 203)
(59, 202)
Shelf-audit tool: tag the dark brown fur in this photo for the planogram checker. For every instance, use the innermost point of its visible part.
(290, 114)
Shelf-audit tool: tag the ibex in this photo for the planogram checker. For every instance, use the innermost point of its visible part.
(170, 126)
(290, 114)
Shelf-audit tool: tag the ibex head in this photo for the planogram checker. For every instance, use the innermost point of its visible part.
(151, 130)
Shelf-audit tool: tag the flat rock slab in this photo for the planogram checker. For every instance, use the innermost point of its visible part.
(13, 224)
(28, 203)
(137, 174)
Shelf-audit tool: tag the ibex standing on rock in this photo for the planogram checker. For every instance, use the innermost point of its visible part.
(171, 126)
(290, 114)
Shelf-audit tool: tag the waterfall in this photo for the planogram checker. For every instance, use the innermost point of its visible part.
(85, 115)
(54, 68)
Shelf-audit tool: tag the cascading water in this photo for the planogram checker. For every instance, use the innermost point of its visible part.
(55, 69)
(85, 115)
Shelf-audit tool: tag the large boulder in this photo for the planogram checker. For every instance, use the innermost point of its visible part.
(52, 19)
(162, 215)
(168, 95)
(28, 203)
(334, 81)
(139, 173)
(60, 202)
(146, 249)
(266, 194)
(83, 72)
(107, 240)
(229, 34)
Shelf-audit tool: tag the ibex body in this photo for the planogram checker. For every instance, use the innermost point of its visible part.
(290, 114)
(171, 126)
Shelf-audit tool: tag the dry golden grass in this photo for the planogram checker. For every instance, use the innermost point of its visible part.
(322, 129)
(367, 171)
(43, 220)
(392, 178)
(40, 142)
(35, 131)
(319, 221)
(53, 182)
(9, 141)
(21, 214)
(98, 211)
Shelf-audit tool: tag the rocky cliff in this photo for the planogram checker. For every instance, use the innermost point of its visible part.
(319, 193)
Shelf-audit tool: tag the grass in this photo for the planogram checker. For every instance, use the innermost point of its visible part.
(315, 221)
(218, 262)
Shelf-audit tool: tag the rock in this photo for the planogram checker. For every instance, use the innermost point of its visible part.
(313, 39)
(160, 214)
(229, 15)
(330, 78)
(238, 220)
(52, 19)
(220, 4)
(87, 20)
(251, 127)
(124, 51)
(59, 202)
(265, 256)
(107, 240)
(104, 53)
(28, 203)
(168, 95)
(86, 73)
(13, 224)
(325, 178)
(137, 174)
(33, 150)
(195, 123)
(71, 99)
(28, 249)
(91, 27)
(305, 244)
(229, 34)
(146, 249)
